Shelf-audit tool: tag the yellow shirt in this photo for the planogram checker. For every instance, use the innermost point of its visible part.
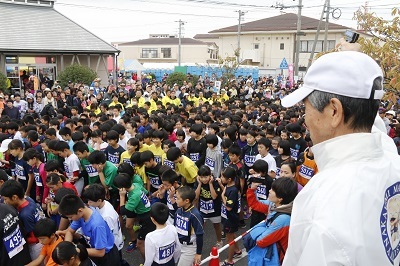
(141, 101)
(176, 101)
(158, 153)
(145, 147)
(96, 112)
(224, 97)
(114, 104)
(126, 157)
(188, 169)
(141, 172)
(195, 100)
(166, 100)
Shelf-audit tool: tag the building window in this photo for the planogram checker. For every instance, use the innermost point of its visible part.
(331, 45)
(282, 46)
(149, 53)
(166, 52)
(256, 46)
(306, 46)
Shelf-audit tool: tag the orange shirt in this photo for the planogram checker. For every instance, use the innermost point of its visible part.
(47, 250)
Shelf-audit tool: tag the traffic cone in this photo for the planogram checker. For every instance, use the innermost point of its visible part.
(215, 257)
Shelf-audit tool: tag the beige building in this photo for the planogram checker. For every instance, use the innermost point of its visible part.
(266, 42)
(164, 49)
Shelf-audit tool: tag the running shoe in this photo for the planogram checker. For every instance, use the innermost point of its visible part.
(131, 247)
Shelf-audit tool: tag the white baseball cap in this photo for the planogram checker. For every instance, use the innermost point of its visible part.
(4, 145)
(346, 73)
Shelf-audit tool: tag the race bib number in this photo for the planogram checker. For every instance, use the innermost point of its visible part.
(294, 153)
(113, 158)
(223, 212)
(145, 200)
(239, 203)
(182, 225)
(19, 172)
(91, 171)
(155, 182)
(166, 252)
(128, 161)
(157, 159)
(306, 172)
(14, 242)
(169, 203)
(262, 192)
(194, 157)
(210, 163)
(206, 206)
(170, 164)
(278, 172)
(249, 160)
(38, 180)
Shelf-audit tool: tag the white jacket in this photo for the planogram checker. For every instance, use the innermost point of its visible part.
(343, 215)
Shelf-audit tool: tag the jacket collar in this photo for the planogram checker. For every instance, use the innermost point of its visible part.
(354, 147)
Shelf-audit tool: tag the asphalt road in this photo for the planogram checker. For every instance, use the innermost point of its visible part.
(135, 259)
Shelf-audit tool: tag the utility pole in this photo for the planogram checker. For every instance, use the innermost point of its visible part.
(327, 13)
(181, 23)
(317, 35)
(241, 14)
(298, 33)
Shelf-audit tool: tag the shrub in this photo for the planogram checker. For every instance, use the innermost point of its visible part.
(177, 78)
(3, 82)
(77, 74)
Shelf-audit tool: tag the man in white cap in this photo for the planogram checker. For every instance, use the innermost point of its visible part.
(348, 214)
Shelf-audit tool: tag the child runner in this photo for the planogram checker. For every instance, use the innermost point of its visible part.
(72, 166)
(209, 192)
(35, 160)
(28, 212)
(167, 191)
(95, 194)
(230, 211)
(189, 225)
(45, 231)
(67, 253)
(260, 176)
(162, 246)
(22, 171)
(184, 166)
(107, 172)
(102, 249)
(137, 206)
(114, 150)
(213, 155)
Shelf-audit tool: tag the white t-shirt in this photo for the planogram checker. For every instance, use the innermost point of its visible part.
(112, 219)
(71, 164)
(161, 245)
(270, 160)
(123, 142)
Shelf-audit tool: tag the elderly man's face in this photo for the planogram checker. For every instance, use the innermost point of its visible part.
(319, 124)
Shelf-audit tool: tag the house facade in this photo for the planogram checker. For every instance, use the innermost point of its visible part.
(266, 42)
(165, 49)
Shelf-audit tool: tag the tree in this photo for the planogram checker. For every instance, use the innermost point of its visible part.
(77, 74)
(228, 67)
(384, 45)
(177, 78)
(3, 82)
